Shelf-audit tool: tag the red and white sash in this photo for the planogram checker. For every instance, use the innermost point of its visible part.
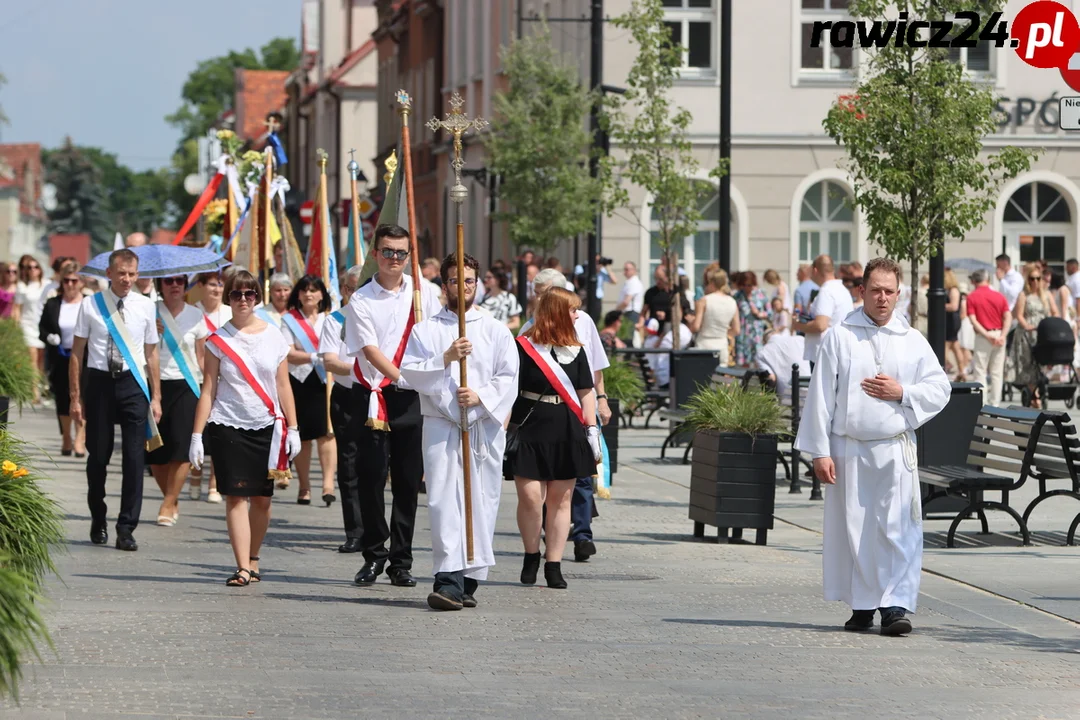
(554, 373)
(378, 418)
(210, 323)
(278, 464)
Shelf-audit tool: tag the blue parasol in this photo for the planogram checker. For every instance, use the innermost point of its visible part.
(163, 261)
(968, 265)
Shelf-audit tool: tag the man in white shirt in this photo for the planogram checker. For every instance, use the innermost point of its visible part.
(114, 393)
(378, 323)
(777, 357)
(1072, 281)
(144, 285)
(832, 305)
(632, 296)
(342, 412)
(1010, 282)
(804, 291)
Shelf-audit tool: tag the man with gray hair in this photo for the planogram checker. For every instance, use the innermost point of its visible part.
(336, 360)
(581, 508)
(989, 313)
(276, 305)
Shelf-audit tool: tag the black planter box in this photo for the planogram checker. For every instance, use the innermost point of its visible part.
(611, 435)
(733, 483)
(4, 403)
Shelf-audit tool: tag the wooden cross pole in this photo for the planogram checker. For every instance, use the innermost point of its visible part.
(354, 172)
(456, 123)
(405, 107)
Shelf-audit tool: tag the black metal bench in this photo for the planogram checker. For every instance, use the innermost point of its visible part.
(654, 399)
(800, 387)
(1020, 443)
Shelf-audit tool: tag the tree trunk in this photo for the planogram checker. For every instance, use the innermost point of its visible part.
(913, 306)
(676, 300)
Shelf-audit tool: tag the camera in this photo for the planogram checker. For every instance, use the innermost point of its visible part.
(605, 261)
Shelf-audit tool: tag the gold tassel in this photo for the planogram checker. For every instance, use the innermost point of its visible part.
(154, 443)
(599, 490)
(376, 424)
(279, 475)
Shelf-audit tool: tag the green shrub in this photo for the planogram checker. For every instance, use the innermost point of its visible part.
(623, 383)
(730, 408)
(18, 376)
(22, 628)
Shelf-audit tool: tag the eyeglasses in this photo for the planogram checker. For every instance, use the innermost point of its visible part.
(389, 254)
(71, 281)
(31, 267)
(248, 295)
(178, 280)
(12, 271)
(1035, 277)
(469, 282)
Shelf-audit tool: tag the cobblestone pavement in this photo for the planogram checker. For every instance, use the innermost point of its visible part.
(657, 625)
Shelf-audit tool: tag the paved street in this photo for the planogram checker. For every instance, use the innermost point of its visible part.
(657, 625)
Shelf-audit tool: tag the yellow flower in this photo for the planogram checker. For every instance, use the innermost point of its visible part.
(225, 134)
(252, 156)
(20, 472)
(8, 467)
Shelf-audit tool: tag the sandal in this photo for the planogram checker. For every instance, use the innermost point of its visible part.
(238, 580)
(255, 576)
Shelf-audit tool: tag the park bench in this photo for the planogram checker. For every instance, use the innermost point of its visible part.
(655, 398)
(1009, 446)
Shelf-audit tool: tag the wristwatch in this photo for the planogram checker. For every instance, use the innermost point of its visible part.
(601, 396)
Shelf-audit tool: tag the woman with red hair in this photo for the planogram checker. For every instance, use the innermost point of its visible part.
(558, 439)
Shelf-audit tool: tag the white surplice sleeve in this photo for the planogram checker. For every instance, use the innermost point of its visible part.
(423, 369)
(498, 395)
(815, 425)
(929, 393)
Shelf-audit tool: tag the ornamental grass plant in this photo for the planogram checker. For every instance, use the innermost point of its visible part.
(732, 409)
(22, 628)
(18, 376)
(623, 383)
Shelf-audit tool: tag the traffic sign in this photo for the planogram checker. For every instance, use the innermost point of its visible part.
(365, 207)
(1069, 113)
(307, 212)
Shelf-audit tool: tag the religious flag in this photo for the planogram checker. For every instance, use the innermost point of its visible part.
(321, 246)
(394, 211)
(356, 247)
(279, 150)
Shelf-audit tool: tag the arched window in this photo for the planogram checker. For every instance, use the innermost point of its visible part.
(1038, 226)
(827, 223)
(696, 251)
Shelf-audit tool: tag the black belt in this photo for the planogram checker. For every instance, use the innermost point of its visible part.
(115, 375)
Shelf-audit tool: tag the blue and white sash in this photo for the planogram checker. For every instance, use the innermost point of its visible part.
(174, 340)
(122, 339)
(262, 312)
(302, 336)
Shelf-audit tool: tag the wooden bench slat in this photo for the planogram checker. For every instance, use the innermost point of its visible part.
(1022, 428)
(990, 462)
(1008, 440)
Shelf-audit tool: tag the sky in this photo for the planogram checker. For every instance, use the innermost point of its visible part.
(107, 72)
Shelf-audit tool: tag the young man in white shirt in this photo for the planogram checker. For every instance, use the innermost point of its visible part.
(829, 308)
(378, 323)
(632, 296)
(1010, 282)
(115, 396)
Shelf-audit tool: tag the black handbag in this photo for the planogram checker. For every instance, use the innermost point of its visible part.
(513, 442)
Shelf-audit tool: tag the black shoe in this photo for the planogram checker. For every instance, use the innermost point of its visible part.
(553, 575)
(65, 453)
(402, 578)
(369, 573)
(126, 542)
(329, 499)
(860, 621)
(529, 568)
(99, 535)
(352, 545)
(583, 550)
(438, 601)
(468, 600)
(894, 622)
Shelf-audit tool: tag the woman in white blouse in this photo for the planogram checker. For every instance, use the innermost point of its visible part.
(302, 326)
(56, 330)
(216, 313)
(29, 300)
(247, 410)
(183, 332)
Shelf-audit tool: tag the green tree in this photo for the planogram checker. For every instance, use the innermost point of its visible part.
(652, 131)
(81, 200)
(541, 147)
(913, 133)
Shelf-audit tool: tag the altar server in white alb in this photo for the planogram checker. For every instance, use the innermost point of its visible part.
(875, 381)
(431, 367)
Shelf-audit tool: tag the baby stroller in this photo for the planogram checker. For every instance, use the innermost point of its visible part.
(1054, 346)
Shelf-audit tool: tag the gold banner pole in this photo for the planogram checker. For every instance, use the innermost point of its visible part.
(405, 103)
(456, 123)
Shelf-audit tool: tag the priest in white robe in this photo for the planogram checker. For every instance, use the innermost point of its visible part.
(874, 382)
(431, 367)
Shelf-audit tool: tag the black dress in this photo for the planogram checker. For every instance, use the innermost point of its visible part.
(553, 445)
(952, 323)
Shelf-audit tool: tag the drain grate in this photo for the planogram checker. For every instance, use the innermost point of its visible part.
(613, 577)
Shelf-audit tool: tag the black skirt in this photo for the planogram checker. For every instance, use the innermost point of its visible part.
(553, 445)
(310, 399)
(240, 460)
(59, 383)
(177, 418)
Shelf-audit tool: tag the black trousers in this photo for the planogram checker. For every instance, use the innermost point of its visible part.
(342, 417)
(399, 452)
(108, 401)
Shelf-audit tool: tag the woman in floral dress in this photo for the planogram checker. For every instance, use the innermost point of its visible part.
(753, 319)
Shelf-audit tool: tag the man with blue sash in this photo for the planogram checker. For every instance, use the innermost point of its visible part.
(118, 330)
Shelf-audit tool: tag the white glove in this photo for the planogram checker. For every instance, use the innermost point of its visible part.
(592, 433)
(53, 339)
(316, 360)
(292, 443)
(195, 451)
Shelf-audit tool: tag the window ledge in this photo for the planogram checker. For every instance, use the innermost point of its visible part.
(814, 79)
(704, 80)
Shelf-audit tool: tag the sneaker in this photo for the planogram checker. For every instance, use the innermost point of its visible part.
(860, 621)
(894, 622)
(213, 497)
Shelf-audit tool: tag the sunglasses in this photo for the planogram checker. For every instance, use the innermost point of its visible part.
(178, 280)
(389, 254)
(248, 295)
(12, 271)
(71, 281)
(469, 282)
(30, 267)
(1035, 277)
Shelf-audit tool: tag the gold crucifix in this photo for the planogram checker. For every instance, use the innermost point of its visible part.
(457, 123)
(272, 124)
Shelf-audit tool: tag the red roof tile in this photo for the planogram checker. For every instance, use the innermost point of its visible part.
(21, 158)
(77, 246)
(258, 93)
